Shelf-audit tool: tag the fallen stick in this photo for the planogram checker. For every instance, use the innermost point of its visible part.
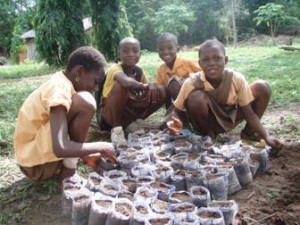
(289, 48)
(267, 217)
(262, 219)
(250, 195)
(253, 220)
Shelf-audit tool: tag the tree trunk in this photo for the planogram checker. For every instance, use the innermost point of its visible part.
(234, 23)
(272, 33)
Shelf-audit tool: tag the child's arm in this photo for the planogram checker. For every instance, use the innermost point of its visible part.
(63, 147)
(256, 125)
(128, 82)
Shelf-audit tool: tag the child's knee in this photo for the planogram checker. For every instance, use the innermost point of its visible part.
(173, 93)
(118, 90)
(261, 88)
(163, 92)
(84, 100)
(173, 88)
(196, 101)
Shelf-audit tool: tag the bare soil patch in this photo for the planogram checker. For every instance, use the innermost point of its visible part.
(274, 197)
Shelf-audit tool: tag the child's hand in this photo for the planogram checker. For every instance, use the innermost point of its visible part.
(274, 143)
(92, 160)
(140, 86)
(153, 93)
(174, 125)
(108, 151)
(109, 155)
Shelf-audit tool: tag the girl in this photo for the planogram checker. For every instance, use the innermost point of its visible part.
(54, 119)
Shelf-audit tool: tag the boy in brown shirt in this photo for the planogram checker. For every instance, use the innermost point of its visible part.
(217, 99)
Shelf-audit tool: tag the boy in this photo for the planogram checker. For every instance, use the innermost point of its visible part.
(54, 119)
(127, 95)
(217, 99)
(175, 69)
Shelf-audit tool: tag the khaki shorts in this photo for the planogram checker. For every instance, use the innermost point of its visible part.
(42, 172)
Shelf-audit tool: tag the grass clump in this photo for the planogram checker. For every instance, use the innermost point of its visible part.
(25, 70)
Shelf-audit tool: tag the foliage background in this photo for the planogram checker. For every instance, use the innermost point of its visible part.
(59, 29)
(193, 21)
(110, 25)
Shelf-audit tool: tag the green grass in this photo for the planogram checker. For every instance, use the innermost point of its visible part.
(12, 94)
(280, 68)
(24, 70)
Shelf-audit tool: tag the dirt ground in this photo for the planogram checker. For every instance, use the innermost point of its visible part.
(273, 197)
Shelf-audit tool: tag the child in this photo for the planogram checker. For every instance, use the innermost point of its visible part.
(217, 99)
(54, 119)
(175, 69)
(127, 95)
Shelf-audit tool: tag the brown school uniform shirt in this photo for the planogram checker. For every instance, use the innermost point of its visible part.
(182, 67)
(240, 92)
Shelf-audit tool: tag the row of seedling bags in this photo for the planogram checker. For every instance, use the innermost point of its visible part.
(175, 178)
(105, 201)
(192, 161)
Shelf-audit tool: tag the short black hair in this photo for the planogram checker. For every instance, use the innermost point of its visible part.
(129, 39)
(89, 57)
(167, 36)
(209, 43)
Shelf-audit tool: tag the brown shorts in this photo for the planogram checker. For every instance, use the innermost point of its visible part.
(223, 118)
(138, 106)
(42, 172)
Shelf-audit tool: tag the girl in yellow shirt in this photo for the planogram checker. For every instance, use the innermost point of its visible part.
(54, 119)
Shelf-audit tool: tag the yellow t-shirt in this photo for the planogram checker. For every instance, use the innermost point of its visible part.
(110, 78)
(182, 68)
(240, 92)
(32, 138)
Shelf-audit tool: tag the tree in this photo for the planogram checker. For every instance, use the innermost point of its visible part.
(9, 13)
(227, 20)
(110, 25)
(272, 15)
(234, 23)
(59, 29)
(172, 18)
(24, 22)
(252, 5)
(207, 15)
(150, 18)
(7, 21)
(140, 15)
